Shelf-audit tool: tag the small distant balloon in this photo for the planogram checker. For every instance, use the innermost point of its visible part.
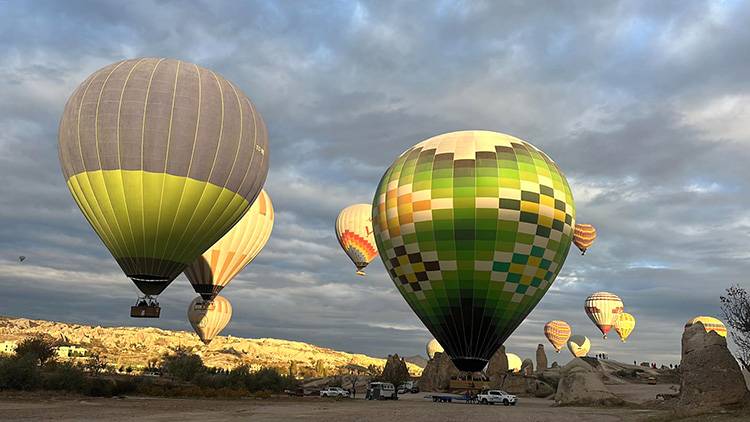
(21, 258)
(434, 347)
(354, 232)
(624, 326)
(709, 324)
(514, 362)
(603, 308)
(209, 318)
(579, 346)
(557, 332)
(584, 236)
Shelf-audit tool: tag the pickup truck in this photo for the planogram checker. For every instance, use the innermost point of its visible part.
(334, 392)
(496, 396)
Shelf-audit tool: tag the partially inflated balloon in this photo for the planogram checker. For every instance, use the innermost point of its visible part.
(354, 232)
(473, 228)
(603, 308)
(163, 157)
(514, 362)
(709, 324)
(579, 346)
(584, 236)
(625, 325)
(213, 270)
(433, 347)
(557, 332)
(209, 318)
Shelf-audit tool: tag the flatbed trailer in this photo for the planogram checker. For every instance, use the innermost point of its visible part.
(449, 398)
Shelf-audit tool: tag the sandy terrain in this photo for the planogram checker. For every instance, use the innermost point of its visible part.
(409, 408)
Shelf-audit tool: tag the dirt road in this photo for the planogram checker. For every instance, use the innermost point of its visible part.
(408, 408)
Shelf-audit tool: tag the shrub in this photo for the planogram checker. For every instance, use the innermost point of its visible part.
(19, 373)
(183, 365)
(64, 376)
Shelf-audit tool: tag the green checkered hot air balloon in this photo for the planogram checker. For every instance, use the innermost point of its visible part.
(473, 227)
(163, 157)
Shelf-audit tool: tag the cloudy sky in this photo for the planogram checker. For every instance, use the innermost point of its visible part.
(644, 105)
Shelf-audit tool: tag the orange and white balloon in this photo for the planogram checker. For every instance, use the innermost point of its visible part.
(354, 232)
(604, 308)
(209, 318)
(584, 236)
(558, 333)
(709, 324)
(213, 270)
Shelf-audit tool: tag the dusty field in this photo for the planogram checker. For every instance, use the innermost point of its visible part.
(36, 407)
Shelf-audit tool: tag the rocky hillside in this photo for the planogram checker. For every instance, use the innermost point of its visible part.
(136, 347)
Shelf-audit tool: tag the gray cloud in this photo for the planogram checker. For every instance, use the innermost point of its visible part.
(643, 104)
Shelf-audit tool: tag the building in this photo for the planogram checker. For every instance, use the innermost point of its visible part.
(71, 352)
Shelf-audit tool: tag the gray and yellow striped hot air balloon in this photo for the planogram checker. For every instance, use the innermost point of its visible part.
(209, 318)
(163, 157)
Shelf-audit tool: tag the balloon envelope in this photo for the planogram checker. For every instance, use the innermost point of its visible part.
(213, 270)
(473, 228)
(603, 308)
(709, 324)
(584, 236)
(163, 157)
(433, 347)
(209, 318)
(624, 326)
(514, 362)
(558, 333)
(579, 346)
(354, 232)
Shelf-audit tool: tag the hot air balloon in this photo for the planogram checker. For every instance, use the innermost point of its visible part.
(514, 362)
(209, 318)
(162, 157)
(557, 332)
(709, 324)
(354, 232)
(603, 308)
(433, 347)
(579, 346)
(213, 270)
(473, 228)
(625, 325)
(584, 236)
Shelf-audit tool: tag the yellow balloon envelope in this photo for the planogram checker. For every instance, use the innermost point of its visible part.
(213, 270)
(709, 324)
(584, 236)
(603, 308)
(579, 346)
(514, 362)
(209, 318)
(625, 325)
(557, 332)
(354, 232)
(433, 347)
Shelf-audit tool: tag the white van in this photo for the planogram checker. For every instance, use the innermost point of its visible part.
(381, 391)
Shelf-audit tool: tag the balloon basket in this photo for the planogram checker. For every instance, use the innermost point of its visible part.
(361, 273)
(145, 307)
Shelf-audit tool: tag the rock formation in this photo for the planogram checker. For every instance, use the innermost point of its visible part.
(541, 358)
(710, 376)
(497, 367)
(554, 365)
(395, 370)
(437, 375)
(527, 367)
(580, 385)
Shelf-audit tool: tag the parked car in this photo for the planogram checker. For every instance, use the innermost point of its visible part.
(334, 392)
(408, 387)
(497, 396)
(651, 380)
(381, 391)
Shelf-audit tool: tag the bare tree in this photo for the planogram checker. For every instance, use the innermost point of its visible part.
(736, 308)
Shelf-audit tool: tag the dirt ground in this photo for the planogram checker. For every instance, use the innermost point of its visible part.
(410, 407)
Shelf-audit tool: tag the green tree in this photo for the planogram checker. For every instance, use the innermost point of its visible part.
(183, 365)
(38, 348)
